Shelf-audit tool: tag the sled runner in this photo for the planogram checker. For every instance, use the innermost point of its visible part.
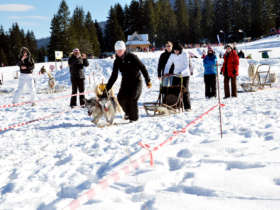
(259, 78)
(170, 99)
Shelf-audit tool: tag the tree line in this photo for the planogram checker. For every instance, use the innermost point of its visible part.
(193, 21)
(187, 21)
(13, 40)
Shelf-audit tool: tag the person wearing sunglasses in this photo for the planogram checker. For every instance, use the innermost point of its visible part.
(164, 58)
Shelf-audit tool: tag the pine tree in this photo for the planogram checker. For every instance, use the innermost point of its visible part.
(4, 47)
(16, 41)
(3, 58)
(100, 36)
(41, 53)
(31, 43)
(150, 19)
(182, 18)
(126, 28)
(256, 14)
(89, 24)
(79, 36)
(60, 31)
(120, 15)
(167, 25)
(207, 21)
(55, 41)
(63, 16)
(134, 17)
(276, 6)
(245, 17)
(223, 15)
(268, 16)
(195, 23)
(113, 31)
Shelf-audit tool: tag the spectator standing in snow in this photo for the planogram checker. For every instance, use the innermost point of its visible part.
(210, 72)
(131, 85)
(230, 71)
(164, 58)
(77, 62)
(182, 67)
(241, 54)
(26, 66)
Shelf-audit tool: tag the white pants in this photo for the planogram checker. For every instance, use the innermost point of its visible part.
(29, 81)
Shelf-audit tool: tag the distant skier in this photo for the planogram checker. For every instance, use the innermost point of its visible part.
(230, 71)
(210, 72)
(131, 85)
(182, 67)
(164, 58)
(76, 62)
(26, 66)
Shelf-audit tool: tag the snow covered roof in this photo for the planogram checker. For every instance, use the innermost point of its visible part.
(138, 39)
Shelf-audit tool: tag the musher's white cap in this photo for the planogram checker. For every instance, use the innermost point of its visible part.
(120, 45)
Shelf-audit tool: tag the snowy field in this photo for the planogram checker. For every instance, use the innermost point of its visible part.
(49, 163)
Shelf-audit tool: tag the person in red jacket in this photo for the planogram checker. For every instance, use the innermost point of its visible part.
(230, 71)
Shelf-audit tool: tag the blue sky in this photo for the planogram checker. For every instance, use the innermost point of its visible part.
(36, 15)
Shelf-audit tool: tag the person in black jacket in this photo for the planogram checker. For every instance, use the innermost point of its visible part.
(131, 85)
(164, 58)
(26, 66)
(241, 54)
(76, 63)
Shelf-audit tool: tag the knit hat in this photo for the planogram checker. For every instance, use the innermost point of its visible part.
(229, 45)
(120, 45)
(210, 48)
(76, 50)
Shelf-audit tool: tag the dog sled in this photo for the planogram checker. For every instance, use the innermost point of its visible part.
(170, 99)
(259, 77)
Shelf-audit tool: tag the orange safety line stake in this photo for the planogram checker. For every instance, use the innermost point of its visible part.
(147, 147)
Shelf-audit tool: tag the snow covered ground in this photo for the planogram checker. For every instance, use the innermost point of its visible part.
(49, 163)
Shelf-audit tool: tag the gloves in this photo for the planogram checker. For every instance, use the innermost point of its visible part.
(234, 72)
(102, 87)
(149, 85)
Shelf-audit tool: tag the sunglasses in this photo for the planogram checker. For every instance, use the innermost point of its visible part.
(168, 46)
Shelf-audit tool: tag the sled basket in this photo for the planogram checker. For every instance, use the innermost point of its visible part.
(260, 78)
(170, 99)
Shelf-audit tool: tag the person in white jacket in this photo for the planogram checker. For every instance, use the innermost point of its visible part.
(26, 66)
(182, 67)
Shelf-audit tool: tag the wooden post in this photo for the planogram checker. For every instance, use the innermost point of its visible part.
(219, 101)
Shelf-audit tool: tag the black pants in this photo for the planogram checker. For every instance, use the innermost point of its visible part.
(210, 85)
(186, 92)
(128, 98)
(77, 84)
(233, 86)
